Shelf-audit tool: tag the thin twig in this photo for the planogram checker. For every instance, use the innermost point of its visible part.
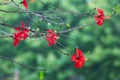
(21, 64)
(6, 36)
(13, 26)
(74, 28)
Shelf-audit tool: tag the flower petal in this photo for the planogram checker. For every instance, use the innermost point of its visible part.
(16, 42)
(73, 58)
(24, 2)
(100, 11)
(78, 64)
(22, 24)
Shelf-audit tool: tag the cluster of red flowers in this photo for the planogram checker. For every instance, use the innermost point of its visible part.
(78, 57)
(51, 37)
(20, 34)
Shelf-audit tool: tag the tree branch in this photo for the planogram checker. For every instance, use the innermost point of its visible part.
(23, 65)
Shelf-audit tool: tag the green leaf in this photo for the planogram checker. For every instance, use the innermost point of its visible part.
(92, 11)
(41, 75)
(117, 8)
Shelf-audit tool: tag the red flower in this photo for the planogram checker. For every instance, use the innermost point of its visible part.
(99, 17)
(20, 34)
(78, 58)
(24, 2)
(51, 37)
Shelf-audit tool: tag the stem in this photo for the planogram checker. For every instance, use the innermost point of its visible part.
(21, 64)
(75, 28)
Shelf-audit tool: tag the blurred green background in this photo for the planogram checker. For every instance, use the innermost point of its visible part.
(100, 44)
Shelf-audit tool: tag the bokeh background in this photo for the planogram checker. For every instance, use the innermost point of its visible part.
(100, 44)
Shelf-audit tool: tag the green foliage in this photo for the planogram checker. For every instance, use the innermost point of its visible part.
(100, 44)
(116, 10)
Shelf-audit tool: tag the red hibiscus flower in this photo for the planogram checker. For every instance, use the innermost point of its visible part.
(24, 2)
(51, 37)
(99, 17)
(20, 34)
(78, 58)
